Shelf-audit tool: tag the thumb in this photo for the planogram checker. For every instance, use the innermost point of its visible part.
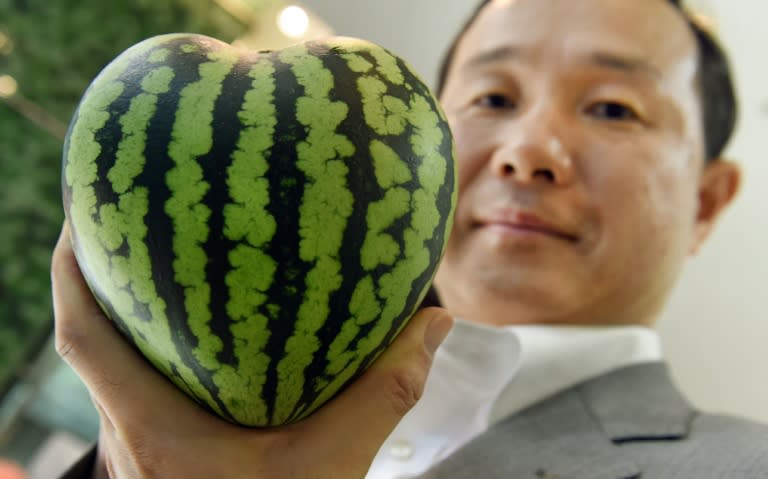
(366, 412)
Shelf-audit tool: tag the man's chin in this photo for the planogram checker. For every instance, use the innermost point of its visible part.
(503, 299)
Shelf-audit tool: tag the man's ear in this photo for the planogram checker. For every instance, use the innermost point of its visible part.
(718, 185)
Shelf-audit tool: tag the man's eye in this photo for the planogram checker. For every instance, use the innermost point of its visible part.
(611, 110)
(495, 100)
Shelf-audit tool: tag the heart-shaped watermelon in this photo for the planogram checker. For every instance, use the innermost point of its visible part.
(260, 225)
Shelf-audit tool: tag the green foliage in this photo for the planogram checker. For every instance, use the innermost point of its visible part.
(56, 48)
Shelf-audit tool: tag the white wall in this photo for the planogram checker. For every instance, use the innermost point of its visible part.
(716, 329)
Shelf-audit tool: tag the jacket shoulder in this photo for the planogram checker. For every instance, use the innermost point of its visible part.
(732, 432)
(717, 446)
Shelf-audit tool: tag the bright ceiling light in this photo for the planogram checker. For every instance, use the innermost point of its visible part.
(293, 21)
(278, 24)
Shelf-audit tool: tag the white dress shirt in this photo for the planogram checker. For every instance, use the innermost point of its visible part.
(482, 374)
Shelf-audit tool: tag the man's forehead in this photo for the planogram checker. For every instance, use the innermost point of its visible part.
(622, 33)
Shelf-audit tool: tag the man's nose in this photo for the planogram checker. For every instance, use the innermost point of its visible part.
(533, 151)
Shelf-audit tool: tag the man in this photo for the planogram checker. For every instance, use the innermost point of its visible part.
(588, 149)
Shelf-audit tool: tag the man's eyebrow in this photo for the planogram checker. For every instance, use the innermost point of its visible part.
(625, 63)
(616, 61)
(493, 56)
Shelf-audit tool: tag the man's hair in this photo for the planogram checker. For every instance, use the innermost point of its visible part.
(716, 90)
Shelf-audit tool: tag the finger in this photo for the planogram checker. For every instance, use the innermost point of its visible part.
(67, 279)
(73, 305)
(80, 325)
(367, 412)
(118, 377)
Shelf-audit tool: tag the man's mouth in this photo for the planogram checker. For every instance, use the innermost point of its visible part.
(516, 222)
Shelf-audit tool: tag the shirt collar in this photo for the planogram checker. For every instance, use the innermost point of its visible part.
(482, 374)
(555, 357)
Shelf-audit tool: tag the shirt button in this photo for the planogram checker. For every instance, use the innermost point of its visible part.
(401, 449)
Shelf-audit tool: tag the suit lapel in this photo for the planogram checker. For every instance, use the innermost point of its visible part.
(573, 435)
(638, 403)
(556, 439)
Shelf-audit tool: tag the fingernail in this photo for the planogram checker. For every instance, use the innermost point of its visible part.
(437, 330)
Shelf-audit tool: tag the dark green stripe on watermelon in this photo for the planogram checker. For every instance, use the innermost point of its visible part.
(286, 191)
(361, 183)
(324, 210)
(216, 172)
(160, 226)
(215, 165)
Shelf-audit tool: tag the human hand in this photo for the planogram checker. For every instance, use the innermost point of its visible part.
(150, 429)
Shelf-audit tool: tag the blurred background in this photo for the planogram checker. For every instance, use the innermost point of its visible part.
(715, 331)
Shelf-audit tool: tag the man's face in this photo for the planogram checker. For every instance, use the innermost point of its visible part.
(580, 148)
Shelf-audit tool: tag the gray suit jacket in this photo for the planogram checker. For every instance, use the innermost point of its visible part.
(631, 423)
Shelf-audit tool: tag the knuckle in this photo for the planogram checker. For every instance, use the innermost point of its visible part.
(71, 335)
(63, 348)
(66, 342)
(405, 389)
(70, 340)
